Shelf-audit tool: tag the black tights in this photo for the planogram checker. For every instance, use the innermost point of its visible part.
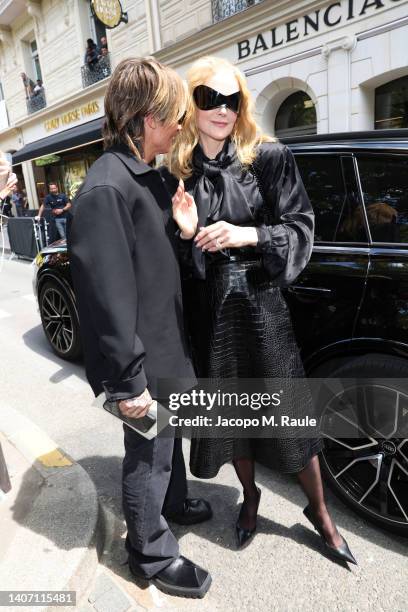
(310, 480)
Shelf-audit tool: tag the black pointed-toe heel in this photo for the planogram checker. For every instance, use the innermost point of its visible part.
(342, 552)
(245, 535)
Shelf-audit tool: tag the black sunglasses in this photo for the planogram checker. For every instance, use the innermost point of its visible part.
(207, 98)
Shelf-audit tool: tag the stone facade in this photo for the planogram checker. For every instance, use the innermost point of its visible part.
(335, 52)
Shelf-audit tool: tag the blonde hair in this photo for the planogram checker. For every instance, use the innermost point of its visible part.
(139, 87)
(246, 134)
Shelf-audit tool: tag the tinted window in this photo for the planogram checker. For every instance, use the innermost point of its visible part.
(384, 181)
(323, 180)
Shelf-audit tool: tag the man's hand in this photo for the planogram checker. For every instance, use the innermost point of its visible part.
(136, 407)
(57, 211)
(185, 212)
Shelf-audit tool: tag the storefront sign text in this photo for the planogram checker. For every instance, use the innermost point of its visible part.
(332, 15)
(72, 116)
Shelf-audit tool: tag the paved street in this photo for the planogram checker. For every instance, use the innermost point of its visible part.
(283, 569)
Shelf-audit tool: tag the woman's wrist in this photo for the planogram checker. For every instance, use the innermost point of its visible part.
(251, 236)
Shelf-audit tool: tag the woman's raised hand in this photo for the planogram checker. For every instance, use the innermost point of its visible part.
(223, 235)
(185, 212)
(11, 181)
(7, 178)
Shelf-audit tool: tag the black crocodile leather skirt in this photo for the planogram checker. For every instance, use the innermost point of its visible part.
(240, 327)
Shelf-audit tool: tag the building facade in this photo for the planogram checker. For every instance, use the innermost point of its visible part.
(312, 67)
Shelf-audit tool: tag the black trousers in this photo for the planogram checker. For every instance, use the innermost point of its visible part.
(153, 483)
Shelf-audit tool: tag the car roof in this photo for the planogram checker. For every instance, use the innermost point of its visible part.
(374, 140)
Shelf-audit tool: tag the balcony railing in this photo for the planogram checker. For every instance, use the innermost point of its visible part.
(92, 73)
(36, 103)
(222, 9)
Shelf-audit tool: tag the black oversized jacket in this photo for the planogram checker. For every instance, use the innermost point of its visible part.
(125, 271)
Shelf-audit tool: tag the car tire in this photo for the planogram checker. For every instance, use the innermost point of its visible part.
(392, 486)
(60, 320)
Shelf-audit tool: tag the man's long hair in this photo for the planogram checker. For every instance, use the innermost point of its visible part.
(140, 87)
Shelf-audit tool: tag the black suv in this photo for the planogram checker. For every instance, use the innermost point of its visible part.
(349, 307)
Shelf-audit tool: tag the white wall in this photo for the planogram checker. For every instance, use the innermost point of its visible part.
(339, 67)
(180, 19)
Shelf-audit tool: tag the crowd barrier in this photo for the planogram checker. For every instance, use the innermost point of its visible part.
(27, 236)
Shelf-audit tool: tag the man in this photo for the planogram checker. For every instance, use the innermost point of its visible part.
(104, 62)
(103, 45)
(59, 205)
(18, 200)
(126, 278)
(28, 85)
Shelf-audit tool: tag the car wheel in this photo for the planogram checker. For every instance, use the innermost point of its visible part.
(369, 473)
(60, 321)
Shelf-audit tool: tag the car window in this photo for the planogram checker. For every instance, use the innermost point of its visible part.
(323, 180)
(384, 182)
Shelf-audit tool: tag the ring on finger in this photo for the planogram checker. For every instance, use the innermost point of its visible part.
(218, 243)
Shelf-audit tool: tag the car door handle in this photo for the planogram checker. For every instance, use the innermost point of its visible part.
(300, 290)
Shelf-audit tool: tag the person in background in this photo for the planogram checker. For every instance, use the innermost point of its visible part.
(18, 200)
(39, 88)
(104, 62)
(91, 54)
(59, 204)
(5, 206)
(24, 192)
(103, 45)
(28, 85)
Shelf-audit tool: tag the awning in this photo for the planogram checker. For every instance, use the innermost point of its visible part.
(78, 136)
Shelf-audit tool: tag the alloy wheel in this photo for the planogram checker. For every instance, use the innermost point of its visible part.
(371, 465)
(57, 320)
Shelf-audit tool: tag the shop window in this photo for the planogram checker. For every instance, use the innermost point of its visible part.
(296, 116)
(384, 181)
(67, 169)
(325, 186)
(391, 104)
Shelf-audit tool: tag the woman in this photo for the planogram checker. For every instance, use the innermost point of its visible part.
(91, 54)
(253, 235)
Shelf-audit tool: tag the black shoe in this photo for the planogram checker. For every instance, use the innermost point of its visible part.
(181, 578)
(245, 535)
(193, 511)
(340, 552)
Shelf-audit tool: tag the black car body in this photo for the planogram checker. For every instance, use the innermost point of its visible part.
(349, 308)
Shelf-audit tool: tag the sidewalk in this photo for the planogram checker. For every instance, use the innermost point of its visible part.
(50, 524)
(54, 536)
(54, 533)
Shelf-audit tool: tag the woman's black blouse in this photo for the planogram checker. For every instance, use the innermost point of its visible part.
(270, 196)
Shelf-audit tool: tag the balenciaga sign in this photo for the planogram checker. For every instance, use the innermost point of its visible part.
(322, 19)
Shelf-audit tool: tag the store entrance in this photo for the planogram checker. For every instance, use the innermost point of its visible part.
(67, 169)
